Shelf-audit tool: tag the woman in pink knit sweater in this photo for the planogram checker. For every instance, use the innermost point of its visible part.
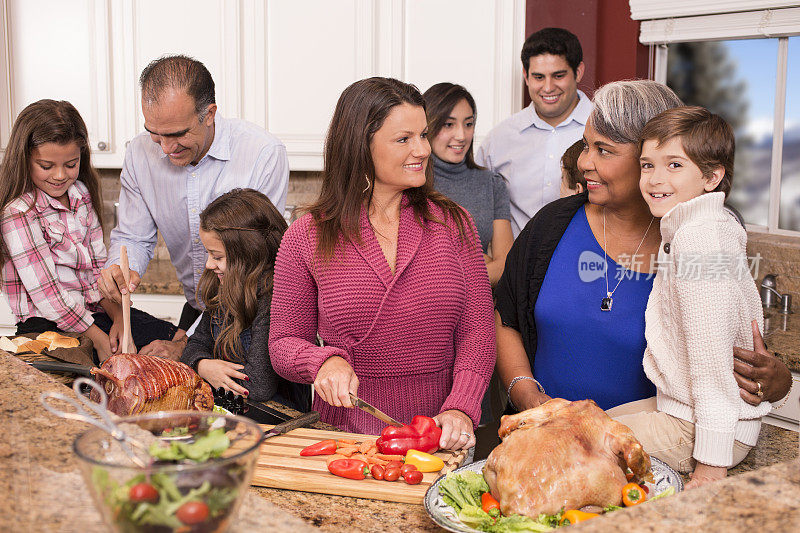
(389, 273)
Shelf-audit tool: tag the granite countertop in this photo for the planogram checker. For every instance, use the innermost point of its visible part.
(41, 483)
(160, 278)
(782, 337)
(45, 489)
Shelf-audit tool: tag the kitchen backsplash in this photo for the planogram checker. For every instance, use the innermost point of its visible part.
(303, 189)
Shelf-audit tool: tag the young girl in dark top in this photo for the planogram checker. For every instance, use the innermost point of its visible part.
(241, 230)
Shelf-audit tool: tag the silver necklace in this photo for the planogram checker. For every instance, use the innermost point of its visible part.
(608, 301)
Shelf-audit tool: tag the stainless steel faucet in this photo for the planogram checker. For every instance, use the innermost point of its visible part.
(770, 297)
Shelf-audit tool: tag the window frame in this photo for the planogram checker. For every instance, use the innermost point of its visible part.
(780, 23)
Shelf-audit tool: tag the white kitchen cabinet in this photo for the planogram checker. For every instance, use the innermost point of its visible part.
(58, 50)
(278, 63)
(788, 415)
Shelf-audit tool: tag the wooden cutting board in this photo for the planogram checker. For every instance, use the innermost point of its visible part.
(280, 466)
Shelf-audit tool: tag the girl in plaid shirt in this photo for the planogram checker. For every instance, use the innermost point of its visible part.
(52, 233)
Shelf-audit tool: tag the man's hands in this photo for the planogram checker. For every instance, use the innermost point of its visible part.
(167, 349)
(100, 341)
(112, 283)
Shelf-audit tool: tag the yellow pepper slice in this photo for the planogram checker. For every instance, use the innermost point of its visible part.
(424, 462)
(573, 516)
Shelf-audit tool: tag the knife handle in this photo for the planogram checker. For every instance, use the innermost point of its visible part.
(303, 420)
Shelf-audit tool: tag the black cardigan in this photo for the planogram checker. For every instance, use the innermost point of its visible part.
(526, 265)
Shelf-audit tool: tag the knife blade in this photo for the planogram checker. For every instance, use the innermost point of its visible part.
(297, 422)
(377, 413)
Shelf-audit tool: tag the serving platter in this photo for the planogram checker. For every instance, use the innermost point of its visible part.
(445, 516)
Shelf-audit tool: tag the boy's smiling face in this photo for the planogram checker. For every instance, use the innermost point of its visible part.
(669, 177)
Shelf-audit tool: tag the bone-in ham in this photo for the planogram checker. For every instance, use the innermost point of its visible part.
(562, 454)
(144, 383)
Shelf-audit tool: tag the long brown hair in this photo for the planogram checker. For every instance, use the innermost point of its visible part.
(360, 112)
(440, 100)
(45, 121)
(251, 229)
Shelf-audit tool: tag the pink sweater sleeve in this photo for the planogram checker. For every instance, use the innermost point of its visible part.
(474, 337)
(294, 314)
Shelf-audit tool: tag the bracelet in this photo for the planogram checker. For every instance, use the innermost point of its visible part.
(514, 382)
(786, 398)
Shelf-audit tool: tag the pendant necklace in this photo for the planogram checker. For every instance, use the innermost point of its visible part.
(608, 301)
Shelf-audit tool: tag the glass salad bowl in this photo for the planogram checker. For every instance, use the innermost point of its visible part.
(184, 471)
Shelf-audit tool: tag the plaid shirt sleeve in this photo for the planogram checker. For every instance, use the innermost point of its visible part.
(36, 273)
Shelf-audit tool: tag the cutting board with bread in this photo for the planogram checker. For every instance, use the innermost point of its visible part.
(50, 344)
(280, 466)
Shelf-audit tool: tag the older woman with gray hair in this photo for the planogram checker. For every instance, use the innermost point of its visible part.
(571, 302)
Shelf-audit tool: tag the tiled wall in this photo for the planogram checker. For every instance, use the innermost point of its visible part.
(303, 189)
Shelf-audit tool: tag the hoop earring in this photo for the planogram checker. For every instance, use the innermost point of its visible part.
(368, 184)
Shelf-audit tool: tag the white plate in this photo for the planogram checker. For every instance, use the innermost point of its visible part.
(446, 517)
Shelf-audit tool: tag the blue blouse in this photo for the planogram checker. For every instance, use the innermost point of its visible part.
(584, 352)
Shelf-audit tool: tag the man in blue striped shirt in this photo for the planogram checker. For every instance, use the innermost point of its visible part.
(188, 156)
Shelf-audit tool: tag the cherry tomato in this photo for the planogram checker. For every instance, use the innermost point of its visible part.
(377, 472)
(191, 513)
(143, 492)
(398, 464)
(413, 477)
(392, 473)
(406, 469)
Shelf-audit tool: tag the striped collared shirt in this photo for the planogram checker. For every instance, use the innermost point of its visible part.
(158, 196)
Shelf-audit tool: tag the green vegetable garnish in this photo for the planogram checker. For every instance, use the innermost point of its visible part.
(669, 491)
(212, 444)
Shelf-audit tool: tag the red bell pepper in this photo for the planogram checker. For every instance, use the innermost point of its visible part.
(349, 468)
(422, 434)
(323, 447)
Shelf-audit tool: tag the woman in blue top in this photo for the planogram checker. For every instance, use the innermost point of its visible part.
(451, 127)
(570, 304)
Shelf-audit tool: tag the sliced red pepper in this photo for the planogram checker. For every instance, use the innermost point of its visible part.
(324, 447)
(422, 434)
(349, 468)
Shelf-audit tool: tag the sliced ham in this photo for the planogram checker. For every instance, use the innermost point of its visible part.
(145, 383)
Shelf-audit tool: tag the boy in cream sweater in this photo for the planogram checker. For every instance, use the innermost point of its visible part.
(703, 302)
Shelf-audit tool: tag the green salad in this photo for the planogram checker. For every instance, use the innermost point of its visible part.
(194, 500)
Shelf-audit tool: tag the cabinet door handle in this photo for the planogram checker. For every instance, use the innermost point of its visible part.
(102, 146)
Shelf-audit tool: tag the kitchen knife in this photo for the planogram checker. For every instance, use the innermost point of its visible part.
(54, 366)
(298, 422)
(377, 413)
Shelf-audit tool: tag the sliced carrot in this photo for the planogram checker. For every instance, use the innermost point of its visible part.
(375, 461)
(347, 452)
(389, 457)
(360, 457)
(345, 442)
(364, 447)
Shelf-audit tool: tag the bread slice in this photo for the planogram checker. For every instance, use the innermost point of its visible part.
(32, 346)
(48, 336)
(64, 342)
(56, 340)
(7, 345)
(19, 341)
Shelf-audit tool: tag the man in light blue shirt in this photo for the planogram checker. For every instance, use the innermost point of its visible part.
(526, 148)
(188, 156)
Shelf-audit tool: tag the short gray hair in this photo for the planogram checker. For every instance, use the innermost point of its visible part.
(622, 108)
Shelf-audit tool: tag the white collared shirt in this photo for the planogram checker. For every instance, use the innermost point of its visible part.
(527, 151)
(158, 196)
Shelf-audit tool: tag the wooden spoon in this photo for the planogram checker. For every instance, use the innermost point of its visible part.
(127, 340)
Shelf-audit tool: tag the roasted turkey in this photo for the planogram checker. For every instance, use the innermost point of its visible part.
(144, 383)
(562, 454)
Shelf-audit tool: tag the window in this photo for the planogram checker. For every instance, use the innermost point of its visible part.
(745, 66)
(736, 80)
